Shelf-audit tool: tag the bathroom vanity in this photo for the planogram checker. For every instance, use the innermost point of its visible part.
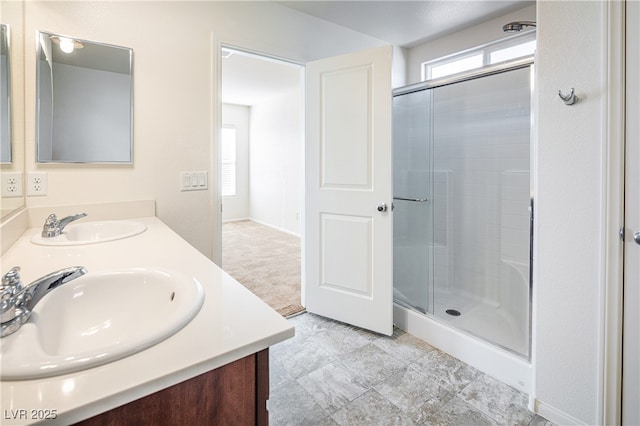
(214, 370)
(234, 394)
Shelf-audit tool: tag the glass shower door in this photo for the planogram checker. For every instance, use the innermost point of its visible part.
(412, 189)
(481, 163)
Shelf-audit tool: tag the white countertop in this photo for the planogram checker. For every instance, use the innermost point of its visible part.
(232, 324)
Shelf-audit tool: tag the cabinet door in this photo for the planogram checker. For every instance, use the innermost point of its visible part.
(234, 394)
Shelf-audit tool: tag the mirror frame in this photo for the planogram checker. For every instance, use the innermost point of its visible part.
(39, 52)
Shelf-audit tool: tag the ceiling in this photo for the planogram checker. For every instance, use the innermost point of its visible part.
(247, 79)
(407, 23)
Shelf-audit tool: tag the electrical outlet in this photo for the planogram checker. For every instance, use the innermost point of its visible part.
(12, 184)
(36, 183)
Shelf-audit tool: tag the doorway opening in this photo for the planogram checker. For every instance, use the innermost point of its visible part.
(261, 172)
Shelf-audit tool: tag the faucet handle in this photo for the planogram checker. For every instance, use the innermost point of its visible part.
(11, 283)
(51, 220)
(11, 278)
(51, 227)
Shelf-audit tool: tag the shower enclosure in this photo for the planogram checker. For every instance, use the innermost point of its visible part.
(462, 203)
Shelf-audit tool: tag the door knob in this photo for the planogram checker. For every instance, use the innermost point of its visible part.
(382, 207)
(636, 237)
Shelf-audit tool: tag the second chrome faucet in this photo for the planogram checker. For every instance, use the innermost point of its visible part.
(54, 226)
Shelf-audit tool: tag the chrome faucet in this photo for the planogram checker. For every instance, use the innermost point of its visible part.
(54, 226)
(17, 300)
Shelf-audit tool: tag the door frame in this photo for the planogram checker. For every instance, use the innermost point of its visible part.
(216, 135)
(610, 366)
(632, 212)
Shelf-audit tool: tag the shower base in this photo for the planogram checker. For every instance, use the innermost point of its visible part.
(484, 320)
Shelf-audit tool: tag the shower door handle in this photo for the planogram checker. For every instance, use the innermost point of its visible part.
(416, 200)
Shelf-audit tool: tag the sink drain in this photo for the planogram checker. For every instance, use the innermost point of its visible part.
(453, 312)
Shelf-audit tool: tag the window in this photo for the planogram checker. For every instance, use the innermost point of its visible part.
(228, 161)
(517, 51)
(455, 66)
(514, 47)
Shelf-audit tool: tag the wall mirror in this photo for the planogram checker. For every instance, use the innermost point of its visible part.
(85, 101)
(12, 108)
(5, 97)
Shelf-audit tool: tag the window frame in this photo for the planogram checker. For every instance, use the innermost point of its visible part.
(426, 67)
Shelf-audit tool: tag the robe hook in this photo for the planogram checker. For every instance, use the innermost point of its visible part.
(569, 99)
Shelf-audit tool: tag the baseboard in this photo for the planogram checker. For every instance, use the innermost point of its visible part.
(554, 415)
(237, 219)
(277, 228)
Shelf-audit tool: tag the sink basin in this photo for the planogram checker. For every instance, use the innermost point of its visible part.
(92, 232)
(99, 318)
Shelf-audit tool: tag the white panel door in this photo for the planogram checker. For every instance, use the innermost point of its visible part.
(348, 223)
(631, 333)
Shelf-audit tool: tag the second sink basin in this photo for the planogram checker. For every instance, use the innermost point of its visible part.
(92, 232)
(99, 318)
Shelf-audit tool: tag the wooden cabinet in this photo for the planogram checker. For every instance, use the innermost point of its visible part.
(234, 394)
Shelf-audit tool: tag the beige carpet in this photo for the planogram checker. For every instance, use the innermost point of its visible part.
(266, 261)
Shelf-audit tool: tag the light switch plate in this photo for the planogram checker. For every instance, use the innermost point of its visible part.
(194, 181)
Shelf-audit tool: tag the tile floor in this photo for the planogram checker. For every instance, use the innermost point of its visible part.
(334, 374)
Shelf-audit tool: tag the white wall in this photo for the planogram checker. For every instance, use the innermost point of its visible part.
(569, 246)
(174, 94)
(275, 161)
(237, 207)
